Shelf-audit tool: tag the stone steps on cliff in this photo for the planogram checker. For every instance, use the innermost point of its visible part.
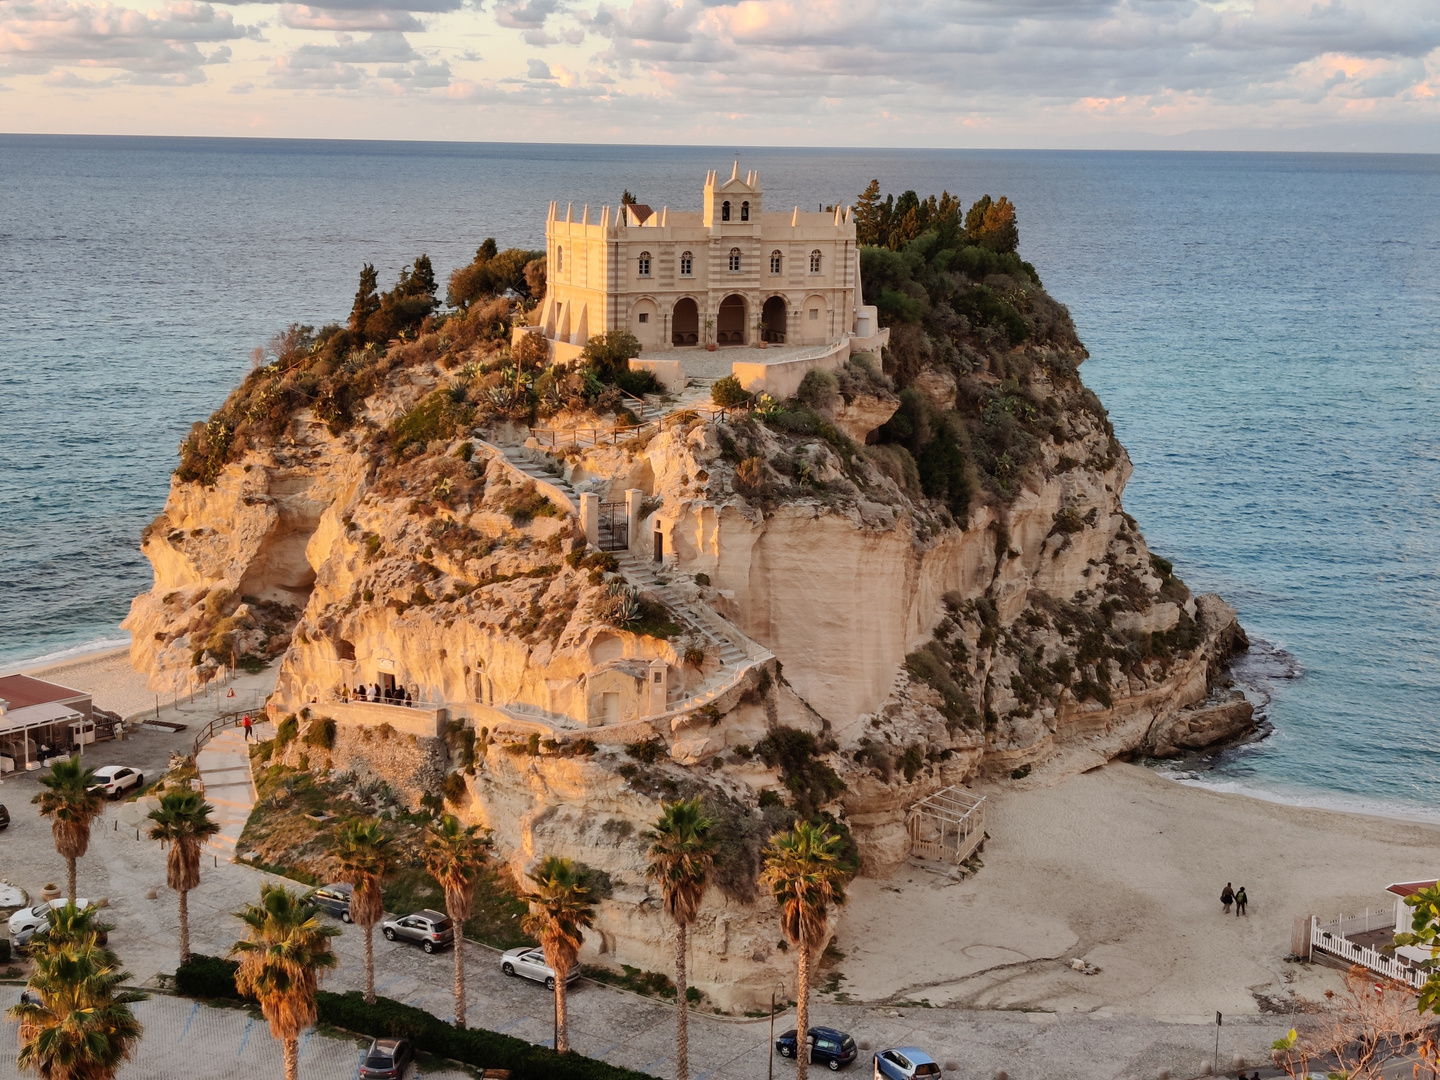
(224, 767)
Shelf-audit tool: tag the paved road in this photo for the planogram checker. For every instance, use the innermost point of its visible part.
(605, 1022)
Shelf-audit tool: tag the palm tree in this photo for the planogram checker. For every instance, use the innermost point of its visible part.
(362, 856)
(803, 872)
(71, 807)
(183, 820)
(560, 910)
(81, 1027)
(282, 960)
(455, 854)
(681, 856)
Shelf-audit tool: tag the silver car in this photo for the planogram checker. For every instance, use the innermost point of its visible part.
(530, 962)
(431, 930)
(27, 920)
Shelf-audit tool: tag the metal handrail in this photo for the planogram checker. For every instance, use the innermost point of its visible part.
(214, 727)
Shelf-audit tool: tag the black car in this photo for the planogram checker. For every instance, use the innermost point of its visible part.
(4, 817)
(334, 899)
(387, 1059)
(827, 1047)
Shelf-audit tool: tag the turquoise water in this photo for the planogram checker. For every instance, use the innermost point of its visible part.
(1263, 329)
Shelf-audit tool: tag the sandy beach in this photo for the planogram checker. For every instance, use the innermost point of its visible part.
(1123, 868)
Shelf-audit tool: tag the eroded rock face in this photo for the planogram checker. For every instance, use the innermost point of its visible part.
(922, 643)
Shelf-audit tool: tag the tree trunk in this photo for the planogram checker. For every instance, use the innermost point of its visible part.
(682, 1008)
(370, 964)
(802, 1012)
(459, 976)
(70, 877)
(184, 926)
(562, 1037)
(292, 1059)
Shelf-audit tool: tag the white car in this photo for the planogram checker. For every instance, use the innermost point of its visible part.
(32, 918)
(114, 780)
(530, 962)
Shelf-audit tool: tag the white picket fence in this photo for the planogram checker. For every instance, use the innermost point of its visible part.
(1330, 938)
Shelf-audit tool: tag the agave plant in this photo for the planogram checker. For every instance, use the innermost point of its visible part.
(618, 605)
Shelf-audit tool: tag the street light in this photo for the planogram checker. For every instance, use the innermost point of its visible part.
(781, 988)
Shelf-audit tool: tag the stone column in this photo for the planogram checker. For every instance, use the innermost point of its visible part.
(590, 516)
(633, 498)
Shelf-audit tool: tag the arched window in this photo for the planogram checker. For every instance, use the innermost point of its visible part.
(725, 210)
(745, 210)
(559, 259)
(687, 264)
(734, 259)
(815, 261)
(775, 262)
(644, 264)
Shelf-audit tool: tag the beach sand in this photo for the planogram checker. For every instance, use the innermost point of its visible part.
(113, 684)
(1123, 868)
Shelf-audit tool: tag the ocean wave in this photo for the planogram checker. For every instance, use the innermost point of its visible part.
(61, 656)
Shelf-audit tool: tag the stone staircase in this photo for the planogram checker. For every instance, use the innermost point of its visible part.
(224, 765)
(516, 458)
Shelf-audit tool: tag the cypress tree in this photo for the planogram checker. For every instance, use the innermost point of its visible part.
(867, 215)
(367, 299)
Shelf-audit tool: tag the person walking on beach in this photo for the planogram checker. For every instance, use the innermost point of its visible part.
(245, 723)
(1240, 901)
(1227, 897)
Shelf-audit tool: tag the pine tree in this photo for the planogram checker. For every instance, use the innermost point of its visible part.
(867, 215)
(367, 299)
(975, 219)
(422, 278)
(486, 251)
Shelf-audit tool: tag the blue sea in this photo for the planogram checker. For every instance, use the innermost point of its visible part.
(1264, 329)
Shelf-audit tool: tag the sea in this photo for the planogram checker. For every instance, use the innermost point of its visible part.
(1263, 328)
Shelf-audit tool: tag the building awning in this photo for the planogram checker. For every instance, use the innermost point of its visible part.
(37, 716)
(1410, 888)
(22, 691)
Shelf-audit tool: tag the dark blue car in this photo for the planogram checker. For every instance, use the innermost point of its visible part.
(827, 1047)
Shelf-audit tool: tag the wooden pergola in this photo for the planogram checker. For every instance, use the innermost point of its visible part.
(948, 825)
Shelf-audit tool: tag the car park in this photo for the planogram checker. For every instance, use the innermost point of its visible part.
(529, 962)
(431, 930)
(905, 1063)
(387, 1059)
(112, 781)
(827, 1047)
(334, 899)
(28, 920)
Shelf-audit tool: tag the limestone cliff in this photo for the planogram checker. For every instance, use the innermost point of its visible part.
(915, 573)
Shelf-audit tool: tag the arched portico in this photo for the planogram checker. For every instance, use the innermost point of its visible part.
(772, 320)
(730, 321)
(685, 322)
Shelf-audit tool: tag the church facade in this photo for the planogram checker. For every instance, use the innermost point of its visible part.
(731, 274)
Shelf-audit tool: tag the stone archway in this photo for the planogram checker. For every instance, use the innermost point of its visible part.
(730, 321)
(685, 323)
(772, 320)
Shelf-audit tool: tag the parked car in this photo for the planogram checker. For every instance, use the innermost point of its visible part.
(36, 935)
(431, 929)
(827, 1047)
(530, 962)
(30, 919)
(334, 899)
(114, 780)
(387, 1059)
(905, 1063)
(4, 817)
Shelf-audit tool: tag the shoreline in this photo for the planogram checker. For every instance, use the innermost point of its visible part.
(61, 658)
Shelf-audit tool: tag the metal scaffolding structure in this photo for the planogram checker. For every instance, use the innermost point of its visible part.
(947, 826)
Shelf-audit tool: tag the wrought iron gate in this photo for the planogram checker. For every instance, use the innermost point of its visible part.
(614, 527)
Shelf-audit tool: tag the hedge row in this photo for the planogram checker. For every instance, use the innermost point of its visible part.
(213, 977)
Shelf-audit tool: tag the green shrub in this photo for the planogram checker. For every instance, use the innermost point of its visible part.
(321, 733)
(287, 732)
(214, 978)
(438, 416)
(647, 751)
(4, 950)
(638, 382)
(727, 392)
(608, 354)
(811, 782)
(526, 503)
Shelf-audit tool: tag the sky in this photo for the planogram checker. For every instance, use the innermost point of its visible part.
(1166, 74)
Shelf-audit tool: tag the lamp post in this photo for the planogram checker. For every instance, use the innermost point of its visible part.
(781, 988)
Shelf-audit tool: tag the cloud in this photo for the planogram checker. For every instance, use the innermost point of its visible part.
(342, 66)
(305, 17)
(161, 46)
(526, 14)
(538, 69)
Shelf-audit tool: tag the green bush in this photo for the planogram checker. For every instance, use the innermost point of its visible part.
(608, 354)
(287, 732)
(321, 733)
(727, 392)
(4, 950)
(438, 416)
(213, 977)
(638, 382)
(209, 977)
